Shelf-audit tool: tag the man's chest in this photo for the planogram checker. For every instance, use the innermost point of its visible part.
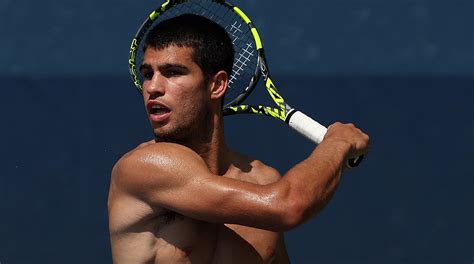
(264, 241)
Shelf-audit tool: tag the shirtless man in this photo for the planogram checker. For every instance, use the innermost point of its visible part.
(186, 197)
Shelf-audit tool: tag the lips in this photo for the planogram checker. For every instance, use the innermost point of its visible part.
(158, 112)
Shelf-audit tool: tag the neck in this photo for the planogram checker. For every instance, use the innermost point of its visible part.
(213, 149)
(210, 145)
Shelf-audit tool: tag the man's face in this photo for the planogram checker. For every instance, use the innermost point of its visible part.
(175, 93)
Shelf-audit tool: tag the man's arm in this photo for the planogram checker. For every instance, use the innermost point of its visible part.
(313, 181)
(174, 177)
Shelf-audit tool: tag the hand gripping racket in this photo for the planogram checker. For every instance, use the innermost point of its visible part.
(249, 64)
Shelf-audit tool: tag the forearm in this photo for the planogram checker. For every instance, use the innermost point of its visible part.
(311, 183)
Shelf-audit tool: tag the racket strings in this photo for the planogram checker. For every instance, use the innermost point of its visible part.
(245, 60)
(245, 54)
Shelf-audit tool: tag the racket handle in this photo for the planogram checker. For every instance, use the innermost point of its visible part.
(314, 131)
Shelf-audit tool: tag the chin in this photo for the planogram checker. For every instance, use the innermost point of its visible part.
(170, 135)
(186, 130)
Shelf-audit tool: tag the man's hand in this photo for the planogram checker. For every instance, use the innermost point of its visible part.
(348, 133)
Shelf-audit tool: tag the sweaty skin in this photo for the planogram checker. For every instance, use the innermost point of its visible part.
(186, 197)
(143, 231)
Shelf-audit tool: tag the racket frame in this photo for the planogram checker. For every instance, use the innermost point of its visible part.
(284, 112)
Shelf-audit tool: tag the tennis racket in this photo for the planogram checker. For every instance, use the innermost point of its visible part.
(249, 64)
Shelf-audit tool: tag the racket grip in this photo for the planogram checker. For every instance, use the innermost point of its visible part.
(314, 131)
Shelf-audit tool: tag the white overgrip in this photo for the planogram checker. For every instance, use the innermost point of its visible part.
(307, 126)
(315, 132)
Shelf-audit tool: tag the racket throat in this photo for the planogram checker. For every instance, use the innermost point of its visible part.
(289, 114)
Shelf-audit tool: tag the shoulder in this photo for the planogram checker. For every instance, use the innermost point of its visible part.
(151, 165)
(156, 153)
(159, 148)
(255, 171)
(265, 174)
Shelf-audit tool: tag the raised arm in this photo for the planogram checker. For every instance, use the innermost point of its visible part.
(174, 177)
(313, 181)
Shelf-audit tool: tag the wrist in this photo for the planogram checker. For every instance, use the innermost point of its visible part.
(339, 144)
(336, 150)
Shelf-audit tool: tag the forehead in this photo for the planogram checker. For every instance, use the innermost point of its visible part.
(170, 55)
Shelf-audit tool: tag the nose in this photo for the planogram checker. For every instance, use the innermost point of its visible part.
(155, 86)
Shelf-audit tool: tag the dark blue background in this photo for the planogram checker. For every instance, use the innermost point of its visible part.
(403, 71)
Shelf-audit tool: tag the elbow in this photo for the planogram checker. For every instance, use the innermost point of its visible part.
(290, 210)
(292, 215)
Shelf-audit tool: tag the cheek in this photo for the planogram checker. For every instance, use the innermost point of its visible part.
(145, 99)
(193, 108)
(191, 96)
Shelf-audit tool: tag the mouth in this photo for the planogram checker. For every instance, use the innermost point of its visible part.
(158, 112)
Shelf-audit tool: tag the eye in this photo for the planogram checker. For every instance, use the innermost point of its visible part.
(172, 73)
(147, 74)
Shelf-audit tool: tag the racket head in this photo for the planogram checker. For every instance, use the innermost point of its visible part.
(247, 45)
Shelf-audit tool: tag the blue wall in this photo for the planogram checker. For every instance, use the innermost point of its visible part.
(338, 36)
(401, 70)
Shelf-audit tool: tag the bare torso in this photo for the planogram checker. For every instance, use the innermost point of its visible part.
(141, 234)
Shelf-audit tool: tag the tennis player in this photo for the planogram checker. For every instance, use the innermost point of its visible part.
(186, 197)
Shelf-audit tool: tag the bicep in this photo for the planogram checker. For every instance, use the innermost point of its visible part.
(219, 199)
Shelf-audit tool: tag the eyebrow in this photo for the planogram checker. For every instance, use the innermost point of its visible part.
(146, 66)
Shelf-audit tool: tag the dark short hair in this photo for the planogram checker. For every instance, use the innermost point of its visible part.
(213, 49)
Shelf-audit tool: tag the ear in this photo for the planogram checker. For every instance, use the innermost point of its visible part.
(218, 85)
